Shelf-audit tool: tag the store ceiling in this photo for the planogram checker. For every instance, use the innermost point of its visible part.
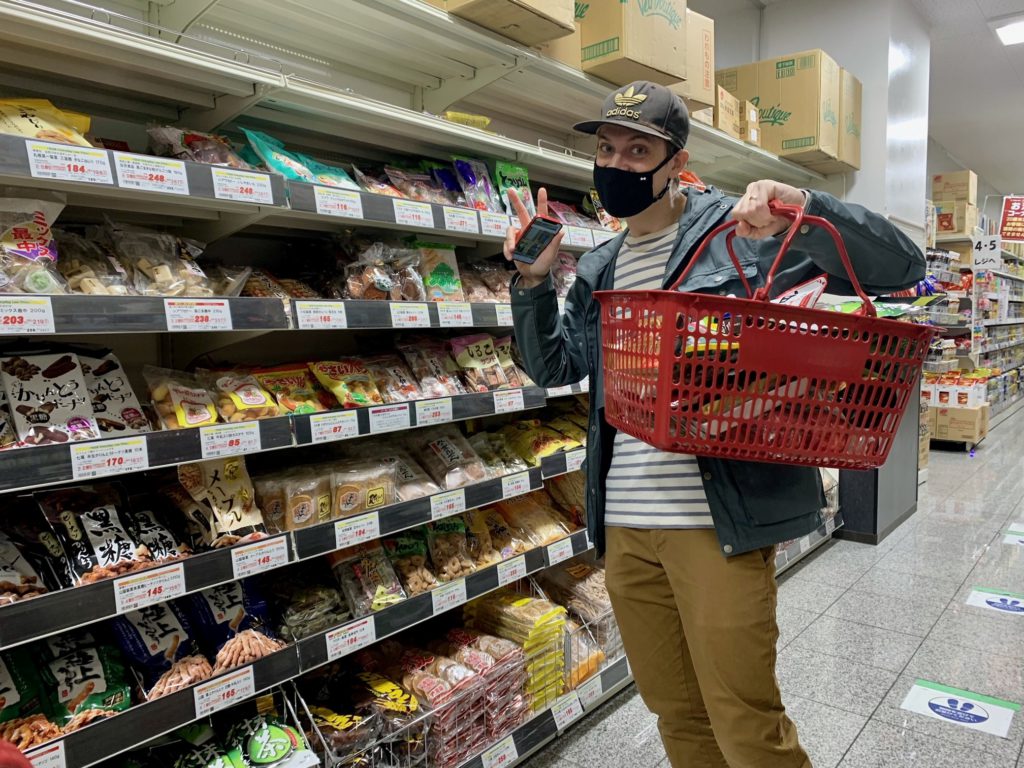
(976, 88)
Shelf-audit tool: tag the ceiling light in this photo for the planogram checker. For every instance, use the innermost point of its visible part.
(1010, 31)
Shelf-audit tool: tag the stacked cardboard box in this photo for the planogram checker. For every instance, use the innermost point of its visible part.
(698, 90)
(727, 112)
(962, 425)
(623, 42)
(529, 22)
(925, 439)
(956, 202)
(750, 129)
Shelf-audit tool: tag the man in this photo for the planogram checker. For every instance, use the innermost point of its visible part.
(690, 540)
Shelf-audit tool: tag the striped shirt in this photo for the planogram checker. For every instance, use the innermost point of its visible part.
(648, 488)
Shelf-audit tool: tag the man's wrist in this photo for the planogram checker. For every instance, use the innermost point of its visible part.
(529, 283)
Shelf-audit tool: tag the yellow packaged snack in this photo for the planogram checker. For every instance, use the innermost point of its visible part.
(240, 397)
(180, 399)
(40, 119)
(349, 380)
(294, 389)
(533, 441)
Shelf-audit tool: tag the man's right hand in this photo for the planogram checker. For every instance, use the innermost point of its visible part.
(531, 275)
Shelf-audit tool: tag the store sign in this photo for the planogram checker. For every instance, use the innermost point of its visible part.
(1011, 226)
(987, 252)
(996, 600)
(963, 708)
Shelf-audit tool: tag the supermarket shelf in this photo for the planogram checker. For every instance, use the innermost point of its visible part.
(1007, 275)
(571, 708)
(580, 388)
(562, 463)
(1001, 347)
(33, 467)
(144, 722)
(1011, 410)
(799, 549)
(317, 314)
(997, 323)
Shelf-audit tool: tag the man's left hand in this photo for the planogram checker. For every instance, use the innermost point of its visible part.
(755, 220)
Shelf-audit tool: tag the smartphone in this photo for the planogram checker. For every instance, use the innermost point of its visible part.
(537, 236)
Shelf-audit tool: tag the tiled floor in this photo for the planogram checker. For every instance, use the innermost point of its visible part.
(859, 624)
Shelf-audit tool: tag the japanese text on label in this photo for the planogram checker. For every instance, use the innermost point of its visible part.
(152, 174)
(197, 314)
(26, 314)
(334, 425)
(321, 315)
(338, 202)
(448, 596)
(433, 411)
(69, 163)
(149, 587)
(262, 556)
(224, 692)
(389, 418)
(559, 551)
(447, 504)
(246, 187)
(461, 220)
(356, 530)
(109, 457)
(230, 439)
(350, 638)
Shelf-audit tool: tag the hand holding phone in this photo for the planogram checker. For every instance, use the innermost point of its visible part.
(536, 271)
(534, 238)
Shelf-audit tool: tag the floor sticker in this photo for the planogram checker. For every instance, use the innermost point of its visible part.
(996, 600)
(970, 710)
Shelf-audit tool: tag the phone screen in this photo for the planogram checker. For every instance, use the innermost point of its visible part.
(538, 235)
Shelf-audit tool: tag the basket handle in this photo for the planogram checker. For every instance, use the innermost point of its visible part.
(799, 217)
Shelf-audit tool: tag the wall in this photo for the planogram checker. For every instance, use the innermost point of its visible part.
(940, 161)
(737, 30)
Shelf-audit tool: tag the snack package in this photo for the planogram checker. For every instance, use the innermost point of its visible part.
(584, 655)
(155, 529)
(570, 493)
(440, 271)
(516, 377)
(117, 409)
(298, 289)
(153, 639)
(478, 361)
(514, 176)
(159, 264)
(417, 186)
(393, 379)
(222, 489)
(448, 457)
(183, 673)
(307, 498)
(312, 608)
(19, 580)
(433, 367)
(476, 185)
(361, 486)
(28, 251)
(367, 579)
(228, 281)
(48, 398)
(569, 428)
(478, 541)
(540, 523)
(171, 141)
(84, 682)
(272, 499)
(8, 435)
(96, 536)
(474, 287)
(262, 285)
(40, 119)
(408, 554)
(445, 177)
(219, 613)
(90, 268)
(35, 539)
(346, 737)
(484, 448)
(328, 175)
(294, 389)
(348, 380)
(19, 685)
(497, 278)
(405, 265)
(411, 482)
(245, 648)
(240, 397)
(534, 442)
(275, 158)
(449, 550)
(180, 399)
(567, 214)
(266, 741)
(376, 183)
(563, 274)
(508, 540)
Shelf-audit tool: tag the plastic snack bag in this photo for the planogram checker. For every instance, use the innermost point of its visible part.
(412, 482)
(21, 685)
(349, 381)
(274, 156)
(393, 378)
(516, 376)
(433, 367)
(513, 176)
(240, 397)
(328, 175)
(367, 579)
(440, 271)
(226, 499)
(533, 441)
(449, 550)
(48, 399)
(294, 389)
(180, 399)
(376, 184)
(479, 362)
(476, 185)
(84, 684)
(445, 176)
(307, 498)
(267, 741)
(153, 639)
(155, 528)
(298, 289)
(171, 141)
(28, 251)
(448, 457)
(263, 285)
(405, 264)
(40, 119)
(417, 186)
(218, 614)
(408, 554)
(362, 485)
(114, 403)
(90, 268)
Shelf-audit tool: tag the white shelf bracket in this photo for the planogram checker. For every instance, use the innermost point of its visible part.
(228, 224)
(437, 100)
(227, 109)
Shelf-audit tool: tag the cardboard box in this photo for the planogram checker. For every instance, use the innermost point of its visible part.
(698, 90)
(706, 116)
(748, 113)
(568, 49)
(750, 134)
(529, 22)
(924, 449)
(960, 425)
(727, 112)
(986, 418)
(797, 97)
(851, 118)
(623, 42)
(960, 185)
(956, 217)
(438, 4)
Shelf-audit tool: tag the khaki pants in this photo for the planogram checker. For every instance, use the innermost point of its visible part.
(700, 633)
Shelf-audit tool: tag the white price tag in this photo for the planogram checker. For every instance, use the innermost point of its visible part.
(197, 314)
(350, 638)
(413, 214)
(50, 756)
(448, 596)
(447, 504)
(494, 224)
(830, 526)
(504, 312)
(407, 314)
(580, 237)
(461, 220)
(511, 570)
(230, 439)
(515, 485)
(501, 755)
(334, 425)
(567, 710)
(574, 460)
(338, 202)
(433, 411)
(109, 457)
(152, 174)
(455, 314)
(389, 418)
(26, 314)
(224, 692)
(508, 401)
(356, 530)
(320, 315)
(560, 551)
(601, 235)
(988, 253)
(69, 163)
(591, 692)
(805, 544)
(559, 391)
(261, 556)
(149, 587)
(244, 186)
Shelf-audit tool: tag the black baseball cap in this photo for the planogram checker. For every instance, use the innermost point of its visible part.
(646, 108)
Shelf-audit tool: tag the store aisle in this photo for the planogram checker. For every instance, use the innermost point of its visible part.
(860, 624)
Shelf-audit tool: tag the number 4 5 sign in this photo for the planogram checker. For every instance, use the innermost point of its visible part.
(988, 252)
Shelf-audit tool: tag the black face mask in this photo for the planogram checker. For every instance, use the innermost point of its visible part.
(627, 193)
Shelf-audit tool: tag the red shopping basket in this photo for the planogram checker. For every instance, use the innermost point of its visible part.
(751, 380)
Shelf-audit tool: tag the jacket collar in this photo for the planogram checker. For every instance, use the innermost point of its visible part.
(593, 265)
